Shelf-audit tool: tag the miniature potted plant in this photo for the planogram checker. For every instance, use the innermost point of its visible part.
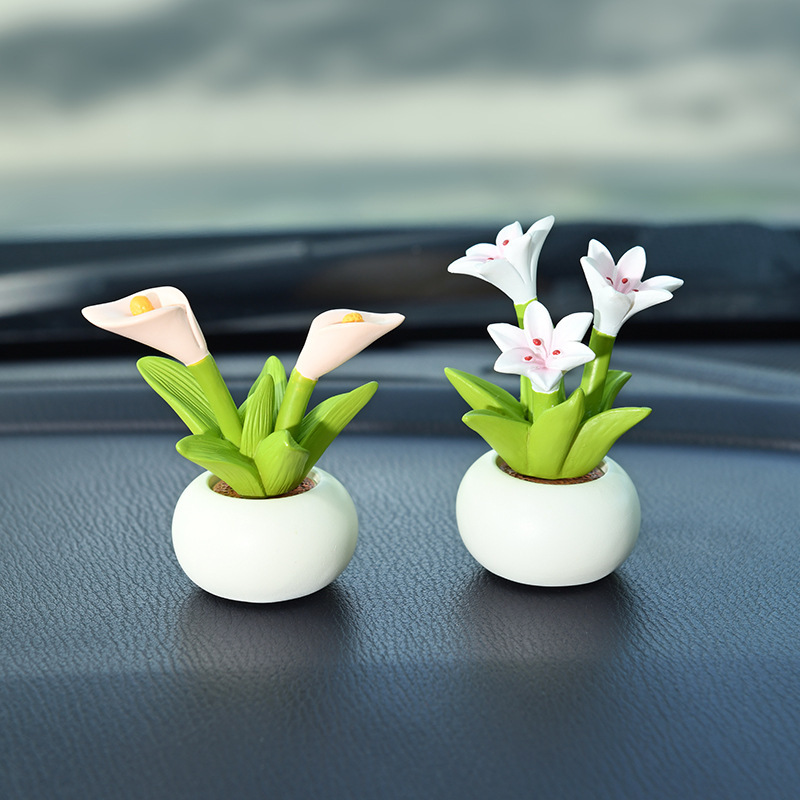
(263, 523)
(546, 506)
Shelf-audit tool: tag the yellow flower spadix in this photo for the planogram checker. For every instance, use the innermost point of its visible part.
(353, 316)
(141, 305)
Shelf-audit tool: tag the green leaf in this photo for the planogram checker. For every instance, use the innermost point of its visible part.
(274, 369)
(615, 380)
(552, 435)
(258, 417)
(281, 462)
(180, 389)
(481, 395)
(224, 460)
(325, 422)
(509, 437)
(278, 374)
(596, 436)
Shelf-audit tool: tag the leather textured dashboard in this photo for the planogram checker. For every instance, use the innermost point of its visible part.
(416, 674)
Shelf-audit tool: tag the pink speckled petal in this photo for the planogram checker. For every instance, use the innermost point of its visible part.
(631, 265)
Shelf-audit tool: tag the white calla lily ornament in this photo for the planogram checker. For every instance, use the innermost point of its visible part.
(265, 448)
(160, 317)
(547, 506)
(336, 336)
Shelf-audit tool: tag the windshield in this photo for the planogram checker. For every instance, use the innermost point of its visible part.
(148, 116)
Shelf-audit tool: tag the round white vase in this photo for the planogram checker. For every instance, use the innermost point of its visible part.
(547, 534)
(264, 550)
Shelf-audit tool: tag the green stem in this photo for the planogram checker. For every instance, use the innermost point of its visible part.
(542, 401)
(525, 388)
(562, 392)
(295, 402)
(595, 372)
(219, 398)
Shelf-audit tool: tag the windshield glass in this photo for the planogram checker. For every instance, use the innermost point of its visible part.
(143, 116)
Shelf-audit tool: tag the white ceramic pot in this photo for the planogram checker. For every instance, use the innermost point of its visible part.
(547, 534)
(264, 550)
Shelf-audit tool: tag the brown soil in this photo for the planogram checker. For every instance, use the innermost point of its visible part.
(596, 473)
(220, 487)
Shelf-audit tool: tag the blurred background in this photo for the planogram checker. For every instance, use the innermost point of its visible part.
(140, 116)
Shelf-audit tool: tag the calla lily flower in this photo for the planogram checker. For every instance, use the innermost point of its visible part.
(160, 318)
(510, 264)
(618, 291)
(540, 351)
(336, 336)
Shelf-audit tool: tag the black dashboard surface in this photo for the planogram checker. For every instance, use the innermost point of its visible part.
(416, 673)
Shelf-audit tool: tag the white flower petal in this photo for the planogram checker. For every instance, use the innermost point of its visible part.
(545, 380)
(538, 324)
(631, 265)
(666, 282)
(508, 233)
(610, 306)
(594, 277)
(573, 328)
(612, 312)
(513, 361)
(538, 233)
(523, 253)
(541, 227)
(465, 266)
(602, 258)
(518, 251)
(483, 250)
(571, 355)
(507, 337)
(646, 298)
(502, 274)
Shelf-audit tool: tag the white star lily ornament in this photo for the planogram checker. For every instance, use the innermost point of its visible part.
(511, 263)
(540, 351)
(618, 291)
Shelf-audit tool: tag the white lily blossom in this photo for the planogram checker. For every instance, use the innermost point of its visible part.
(336, 336)
(540, 351)
(511, 263)
(618, 291)
(165, 323)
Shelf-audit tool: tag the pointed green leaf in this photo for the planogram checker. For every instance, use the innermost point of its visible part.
(509, 437)
(596, 436)
(615, 380)
(258, 416)
(180, 389)
(281, 462)
(481, 395)
(274, 369)
(224, 460)
(278, 374)
(325, 422)
(552, 435)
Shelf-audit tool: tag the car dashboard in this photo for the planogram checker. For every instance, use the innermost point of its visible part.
(417, 673)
